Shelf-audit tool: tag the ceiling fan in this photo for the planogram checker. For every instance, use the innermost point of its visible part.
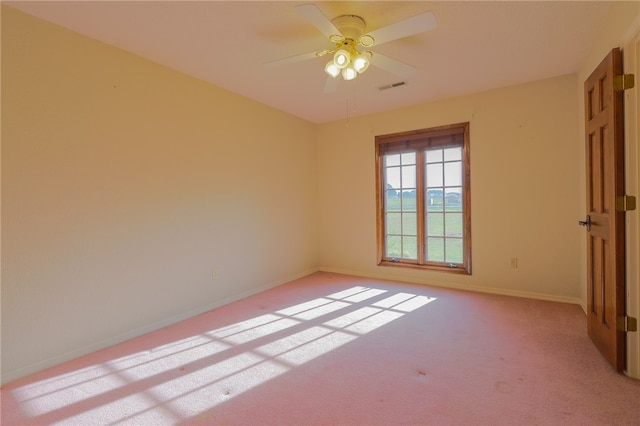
(348, 35)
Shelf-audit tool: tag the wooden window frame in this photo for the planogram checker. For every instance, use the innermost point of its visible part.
(418, 141)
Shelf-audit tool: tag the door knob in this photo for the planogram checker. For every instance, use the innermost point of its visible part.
(586, 222)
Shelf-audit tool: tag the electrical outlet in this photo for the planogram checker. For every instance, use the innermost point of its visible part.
(514, 263)
(214, 274)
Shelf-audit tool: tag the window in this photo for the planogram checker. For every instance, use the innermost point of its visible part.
(423, 199)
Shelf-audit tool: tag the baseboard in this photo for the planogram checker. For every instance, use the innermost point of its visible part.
(458, 286)
(583, 306)
(76, 353)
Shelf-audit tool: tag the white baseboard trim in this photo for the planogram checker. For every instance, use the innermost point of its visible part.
(76, 353)
(458, 286)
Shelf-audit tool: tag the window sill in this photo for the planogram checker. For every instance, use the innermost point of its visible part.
(459, 269)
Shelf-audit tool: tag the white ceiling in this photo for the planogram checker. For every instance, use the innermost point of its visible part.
(477, 46)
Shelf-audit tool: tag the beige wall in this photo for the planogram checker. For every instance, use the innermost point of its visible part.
(524, 180)
(124, 183)
(620, 28)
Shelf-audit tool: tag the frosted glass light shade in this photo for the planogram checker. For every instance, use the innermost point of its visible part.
(341, 58)
(332, 69)
(362, 61)
(349, 73)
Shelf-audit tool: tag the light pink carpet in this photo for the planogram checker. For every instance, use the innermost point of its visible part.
(330, 349)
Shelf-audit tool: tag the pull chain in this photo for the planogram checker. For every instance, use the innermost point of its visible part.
(347, 108)
(354, 104)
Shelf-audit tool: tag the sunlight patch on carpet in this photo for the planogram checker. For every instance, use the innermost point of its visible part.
(187, 377)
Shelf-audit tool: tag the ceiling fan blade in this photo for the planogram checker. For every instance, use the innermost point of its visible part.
(317, 18)
(393, 66)
(290, 60)
(415, 25)
(331, 84)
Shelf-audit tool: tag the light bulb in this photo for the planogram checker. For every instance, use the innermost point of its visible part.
(341, 58)
(361, 62)
(332, 69)
(349, 73)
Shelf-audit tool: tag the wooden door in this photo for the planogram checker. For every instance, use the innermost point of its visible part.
(604, 223)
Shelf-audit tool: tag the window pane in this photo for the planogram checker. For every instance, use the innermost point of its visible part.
(392, 160)
(410, 247)
(434, 156)
(409, 224)
(453, 174)
(434, 175)
(393, 223)
(392, 200)
(409, 201)
(435, 200)
(393, 204)
(454, 250)
(435, 249)
(435, 224)
(451, 154)
(408, 176)
(394, 246)
(453, 225)
(453, 199)
(392, 176)
(409, 158)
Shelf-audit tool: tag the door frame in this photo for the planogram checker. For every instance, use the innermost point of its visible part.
(631, 65)
(631, 108)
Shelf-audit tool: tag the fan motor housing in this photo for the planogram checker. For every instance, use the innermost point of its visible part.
(351, 26)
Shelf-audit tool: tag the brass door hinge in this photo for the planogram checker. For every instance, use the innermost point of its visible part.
(625, 203)
(627, 324)
(623, 82)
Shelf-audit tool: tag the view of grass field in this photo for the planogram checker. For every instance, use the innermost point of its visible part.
(444, 227)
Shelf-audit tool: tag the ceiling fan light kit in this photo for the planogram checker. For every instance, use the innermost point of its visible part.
(349, 63)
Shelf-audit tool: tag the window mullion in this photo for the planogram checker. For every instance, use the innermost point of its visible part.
(420, 205)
